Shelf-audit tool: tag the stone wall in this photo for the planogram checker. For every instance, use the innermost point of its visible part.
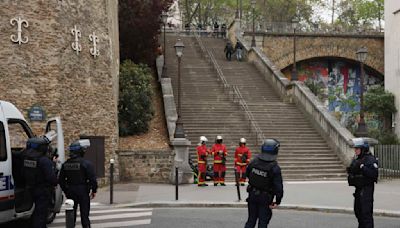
(279, 47)
(78, 87)
(146, 166)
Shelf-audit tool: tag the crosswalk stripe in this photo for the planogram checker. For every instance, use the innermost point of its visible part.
(104, 217)
(113, 210)
(114, 224)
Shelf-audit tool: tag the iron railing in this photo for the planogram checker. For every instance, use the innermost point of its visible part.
(389, 160)
(285, 27)
(234, 91)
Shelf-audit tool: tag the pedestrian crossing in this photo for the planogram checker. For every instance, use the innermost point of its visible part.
(105, 217)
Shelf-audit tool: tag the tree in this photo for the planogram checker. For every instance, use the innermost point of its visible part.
(135, 104)
(380, 102)
(357, 13)
(139, 24)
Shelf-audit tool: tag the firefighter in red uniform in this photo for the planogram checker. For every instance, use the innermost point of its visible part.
(202, 153)
(242, 159)
(219, 151)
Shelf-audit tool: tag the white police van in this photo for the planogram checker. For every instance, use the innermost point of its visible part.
(15, 203)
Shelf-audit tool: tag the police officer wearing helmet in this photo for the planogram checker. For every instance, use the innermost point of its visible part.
(265, 184)
(78, 180)
(39, 177)
(362, 174)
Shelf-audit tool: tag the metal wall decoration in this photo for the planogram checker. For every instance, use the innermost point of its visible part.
(75, 45)
(94, 39)
(18, 38)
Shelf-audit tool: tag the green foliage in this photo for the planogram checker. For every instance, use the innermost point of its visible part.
(356, 13)
(379, 101)
(135, 104)
(315, 88)
(385, 137)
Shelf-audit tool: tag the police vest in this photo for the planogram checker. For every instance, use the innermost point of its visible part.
(355, 177)
(34, 177)
(75, 171)
(260, 176)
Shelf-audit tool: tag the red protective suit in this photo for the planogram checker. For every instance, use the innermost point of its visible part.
(219, 151)
(241, 162)
(202, 153)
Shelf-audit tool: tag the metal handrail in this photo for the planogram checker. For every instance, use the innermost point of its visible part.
(235, 91)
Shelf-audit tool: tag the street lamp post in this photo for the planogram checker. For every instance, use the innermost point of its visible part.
(179, 131)
(164, 17)
(362, 130)
(295, 23)
(253, 6)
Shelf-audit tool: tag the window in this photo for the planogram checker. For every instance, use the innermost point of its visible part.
(3, 150)
(19, 134)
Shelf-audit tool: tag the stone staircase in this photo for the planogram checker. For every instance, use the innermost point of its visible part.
(207, 110)
(304, 154)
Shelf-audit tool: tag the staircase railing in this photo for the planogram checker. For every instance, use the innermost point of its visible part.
(234, 90)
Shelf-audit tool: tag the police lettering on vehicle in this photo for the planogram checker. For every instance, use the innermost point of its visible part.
(259, 172)
(72, 166)
(30, 164)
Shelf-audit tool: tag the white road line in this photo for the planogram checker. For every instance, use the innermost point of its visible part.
(114, 210)
(114, 224)
(105, 217)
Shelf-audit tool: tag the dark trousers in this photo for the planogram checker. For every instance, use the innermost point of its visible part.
(363, 206)
(41, 199)
(228, 55)
(80, 195)
(258, 209)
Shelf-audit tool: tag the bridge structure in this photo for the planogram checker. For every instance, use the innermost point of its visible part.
(312, 45)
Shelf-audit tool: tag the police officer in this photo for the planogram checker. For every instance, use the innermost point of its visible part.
(39, 177)
(265, 184)
(202, 153)
(362, 174)
(242, 159)
(78, 180)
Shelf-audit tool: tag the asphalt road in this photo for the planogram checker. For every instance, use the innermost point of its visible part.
(232, 218)
(213, 218)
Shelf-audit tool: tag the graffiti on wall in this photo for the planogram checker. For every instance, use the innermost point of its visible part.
(339, 84)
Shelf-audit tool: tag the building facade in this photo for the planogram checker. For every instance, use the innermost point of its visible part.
(392, 55)
(63, 56)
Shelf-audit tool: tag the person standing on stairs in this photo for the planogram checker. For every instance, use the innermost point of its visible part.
(228, 50)
(219, 152)
(239, 51)
(202, 153)
(242, 159)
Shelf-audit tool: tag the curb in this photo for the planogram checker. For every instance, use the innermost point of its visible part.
(326, 209)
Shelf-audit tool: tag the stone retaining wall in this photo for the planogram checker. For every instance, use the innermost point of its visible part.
(146, 166)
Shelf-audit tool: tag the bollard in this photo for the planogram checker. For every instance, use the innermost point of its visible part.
(111, 181)
(176, 183)
(69, 213)
(237, 185)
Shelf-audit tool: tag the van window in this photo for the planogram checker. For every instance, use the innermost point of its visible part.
(3, 151)
(18, 136)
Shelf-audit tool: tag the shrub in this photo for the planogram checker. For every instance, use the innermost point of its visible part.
(135, 104)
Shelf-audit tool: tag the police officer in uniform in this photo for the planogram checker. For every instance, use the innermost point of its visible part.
(39, 177)
(265, 184)
(78, 180)
(362, 174)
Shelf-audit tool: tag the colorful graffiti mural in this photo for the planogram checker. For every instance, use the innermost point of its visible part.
(339, 86)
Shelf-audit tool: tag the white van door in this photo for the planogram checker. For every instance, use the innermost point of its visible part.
(6, 180)
(54, 133)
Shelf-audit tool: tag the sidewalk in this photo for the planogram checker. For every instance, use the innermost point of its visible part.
(321, 196)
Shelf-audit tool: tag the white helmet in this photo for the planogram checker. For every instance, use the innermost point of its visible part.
(203, 139)
(218, 137)
(242, 140)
